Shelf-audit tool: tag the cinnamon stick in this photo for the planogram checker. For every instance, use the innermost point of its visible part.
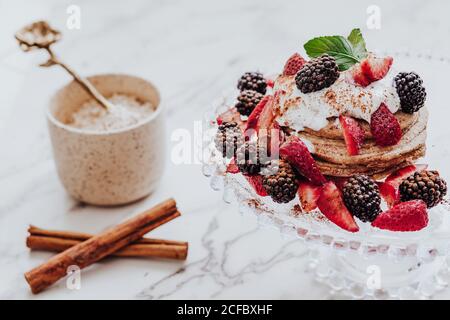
(100, 246)
(53, 240)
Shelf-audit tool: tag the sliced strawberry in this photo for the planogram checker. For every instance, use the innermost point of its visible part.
(308, 194)
(385, 127)
(371, 69)
(396, 178)
(389, 188)
(253, 119)
(280, 132)
(359, 77)
(389, 193)
(293, 64)
(332, 206)
(256, 183)
(405, 216)
(270, 83)
(338, 181)
(267, 116)
(353, 134)
(232, 167)
(261, 124)
(297, 154)
(376, 68)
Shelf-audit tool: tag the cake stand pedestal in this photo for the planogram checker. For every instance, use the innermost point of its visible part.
(355, 276)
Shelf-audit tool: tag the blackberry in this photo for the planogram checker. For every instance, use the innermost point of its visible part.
(247, 101)
(252, 81)
(362, 197)
(410, 90)
(228, 138)
(317, 74)
(251, 158)
(424, 185)
(281, 185)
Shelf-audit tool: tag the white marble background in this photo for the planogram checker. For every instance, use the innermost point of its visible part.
(193, 50)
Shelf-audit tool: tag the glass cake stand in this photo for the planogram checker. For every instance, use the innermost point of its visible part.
(372, 263)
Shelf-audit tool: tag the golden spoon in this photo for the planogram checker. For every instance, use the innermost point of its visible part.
(39, 35)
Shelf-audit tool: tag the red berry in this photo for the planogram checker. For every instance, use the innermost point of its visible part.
(385, 127)
(297, 154)
(332, 206)
(353, 134)
(261, 123)
(308, 194)
(396, 178)
(232, 167)
(405, 216)
(338, 181)
(389, 188)
(262, 113)
(359, 77)
(389, 193)
(293, 64)
(371, 69)
(257, 185)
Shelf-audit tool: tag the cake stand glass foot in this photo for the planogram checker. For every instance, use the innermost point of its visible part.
(351, 275)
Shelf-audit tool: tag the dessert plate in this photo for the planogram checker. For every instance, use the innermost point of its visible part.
(372, 262)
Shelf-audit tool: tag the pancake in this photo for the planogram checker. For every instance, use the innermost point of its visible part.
(382, 169)
(335, 151)
(334, 131)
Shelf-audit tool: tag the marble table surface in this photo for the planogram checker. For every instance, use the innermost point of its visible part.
(193, 51)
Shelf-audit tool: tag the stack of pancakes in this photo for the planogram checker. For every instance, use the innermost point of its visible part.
(332, 158)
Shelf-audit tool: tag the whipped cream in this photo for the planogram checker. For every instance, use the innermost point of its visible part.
(312, 110)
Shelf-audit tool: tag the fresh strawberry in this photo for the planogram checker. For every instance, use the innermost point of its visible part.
(353, 134)
(389, 193)
(293, 64)
(232, 167)
(256, 183)
(338, 181)
(308, 194)
(371, 69)
(253, 121)
(267, 116)
(376, 68)
(405, 216)
(397, 177)
(389, 188)
(332, 206)
(270, 83)
(385, 127)
(359, 77)
(297, 154)
(261, 123)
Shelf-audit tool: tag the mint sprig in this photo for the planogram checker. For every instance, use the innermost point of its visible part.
(347, 51)
(359, 45)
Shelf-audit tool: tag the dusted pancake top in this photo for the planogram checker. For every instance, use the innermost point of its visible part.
(298, 110)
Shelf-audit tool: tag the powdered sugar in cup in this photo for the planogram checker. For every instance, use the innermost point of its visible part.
(108, 157)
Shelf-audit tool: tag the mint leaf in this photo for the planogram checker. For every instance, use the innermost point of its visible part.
(346, 51)
(358, 43)
(336, 46)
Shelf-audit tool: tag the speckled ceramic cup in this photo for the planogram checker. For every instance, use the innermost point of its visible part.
(107, 168)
